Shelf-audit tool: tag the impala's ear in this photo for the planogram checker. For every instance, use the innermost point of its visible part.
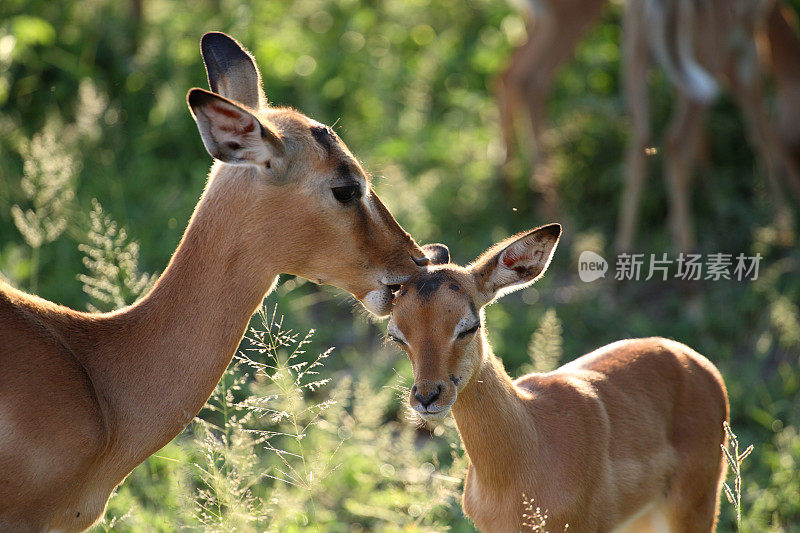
(232, 134)
(232, 72)
(437, 254)
(515, 262)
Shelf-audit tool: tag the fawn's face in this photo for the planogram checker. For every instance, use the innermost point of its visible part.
(437, 315)
(307, 186)
(437, 320)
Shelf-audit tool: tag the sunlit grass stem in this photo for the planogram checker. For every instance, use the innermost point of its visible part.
(735, 460)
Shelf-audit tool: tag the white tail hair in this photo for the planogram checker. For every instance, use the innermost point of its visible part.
(674, 50)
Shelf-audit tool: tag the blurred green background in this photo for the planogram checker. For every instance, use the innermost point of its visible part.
(92, 106)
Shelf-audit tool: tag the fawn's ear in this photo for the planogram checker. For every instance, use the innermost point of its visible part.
(437, 253)
(515, 262)
(232, 72)
(232, 134)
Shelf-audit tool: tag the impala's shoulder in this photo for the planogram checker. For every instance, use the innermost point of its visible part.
(566, 388)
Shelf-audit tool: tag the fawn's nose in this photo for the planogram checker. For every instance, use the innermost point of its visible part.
(427, 394)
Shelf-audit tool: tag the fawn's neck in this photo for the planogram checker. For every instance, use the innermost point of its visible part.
(169, 350)
(492, 420)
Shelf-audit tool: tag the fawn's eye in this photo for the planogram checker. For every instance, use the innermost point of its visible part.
(346, 193)
(395, 339)
(469, 331)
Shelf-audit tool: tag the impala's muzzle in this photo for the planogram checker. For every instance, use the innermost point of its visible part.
(432, 399)
(379, 301)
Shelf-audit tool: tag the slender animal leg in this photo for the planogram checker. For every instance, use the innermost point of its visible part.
(636, 61)
(763, 139)
(511, 90)
(517, 86)
(553, 29)
(784, 53)
(567, 24)
(693, 497)
(511, 86)
(684, 139)
(550, 53)
(561, 25)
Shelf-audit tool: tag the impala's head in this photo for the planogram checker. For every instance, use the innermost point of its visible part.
(438, 315)
(299, 182)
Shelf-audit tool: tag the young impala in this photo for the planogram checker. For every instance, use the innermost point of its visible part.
(625, 438)
(84, 398)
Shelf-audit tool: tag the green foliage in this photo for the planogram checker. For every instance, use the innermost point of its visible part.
(112, 260)
(47, 189)
(334, 456)
(273, 450)
(225, 470)
(544, 348)
(775, 504)
(45, 183)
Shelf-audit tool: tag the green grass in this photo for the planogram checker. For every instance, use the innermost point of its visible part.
(279, 447)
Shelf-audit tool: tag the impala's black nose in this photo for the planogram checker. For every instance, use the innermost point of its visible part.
(426, 395)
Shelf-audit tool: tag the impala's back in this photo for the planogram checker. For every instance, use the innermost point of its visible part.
(659, 430)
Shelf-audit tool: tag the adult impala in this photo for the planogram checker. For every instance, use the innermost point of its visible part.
(700, 45)
(714, 42)
(623, 439)
(84, 398)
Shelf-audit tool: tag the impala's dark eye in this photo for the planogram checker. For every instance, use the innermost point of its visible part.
(395, 339)
(469, 331)
(346, 193)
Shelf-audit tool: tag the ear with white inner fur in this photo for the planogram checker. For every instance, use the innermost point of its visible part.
(516, 262)
(232, 134)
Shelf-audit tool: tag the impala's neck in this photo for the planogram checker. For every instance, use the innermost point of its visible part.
(169, 350)
(492, 421)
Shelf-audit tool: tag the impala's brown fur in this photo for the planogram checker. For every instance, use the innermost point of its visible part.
(553, 29)
(623, 439)
(700, 43)
(84, 398)
(722, 37)
(782, 48)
